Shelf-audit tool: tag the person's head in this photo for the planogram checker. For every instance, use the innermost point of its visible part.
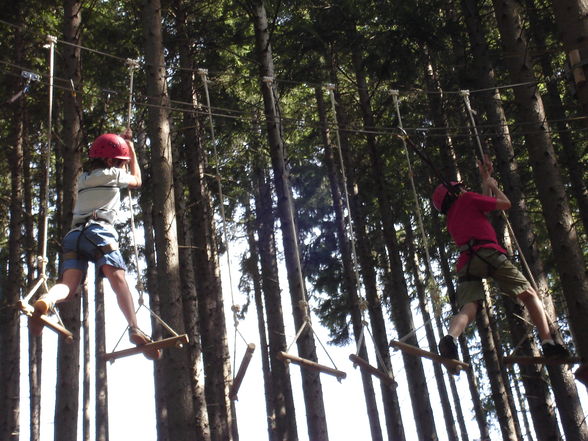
(445, 195)
(109, 150)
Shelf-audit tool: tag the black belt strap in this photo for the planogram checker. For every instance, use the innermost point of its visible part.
(100, 249)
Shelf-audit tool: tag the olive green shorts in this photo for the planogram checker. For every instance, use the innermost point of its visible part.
(488, 262)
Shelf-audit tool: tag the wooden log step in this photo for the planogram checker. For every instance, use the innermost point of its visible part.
(364, 365)
(29, 311)
(241, 372)
(303, 362)
(453, 366)
(176, 341)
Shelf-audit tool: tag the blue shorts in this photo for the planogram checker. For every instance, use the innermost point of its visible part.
(86, 244)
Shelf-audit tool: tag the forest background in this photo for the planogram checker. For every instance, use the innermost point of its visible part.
(272, 128)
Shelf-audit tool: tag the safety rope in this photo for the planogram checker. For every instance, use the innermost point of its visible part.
(203, 73)
(465, 94)
(303, 305)
(436, 291)
(351, 234)
(132, 65)
(42, 260)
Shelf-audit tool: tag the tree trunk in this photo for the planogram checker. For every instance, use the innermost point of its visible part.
(68, 361)
(350, 272)
(251, 268)
(399, 298)
(217, 368)
(175, 364)
(499, 392)
(101, 380)
(571, 17)
(568, 151)
(283, 401)
(411, 259)
(311, 384)
(190, 140)
(86, 427)
(561, 379)
(146, 202)
(14, 282)
(367, 266)
(562, 233)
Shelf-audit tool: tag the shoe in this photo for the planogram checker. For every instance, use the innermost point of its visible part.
(43, 305)
(448, 348)
(581, 374)
(554, 350)
(139, 338)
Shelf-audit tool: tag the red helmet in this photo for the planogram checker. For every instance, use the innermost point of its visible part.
(440, 193)
(110, 145)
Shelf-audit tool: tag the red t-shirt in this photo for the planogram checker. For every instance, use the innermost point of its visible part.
(467, 220)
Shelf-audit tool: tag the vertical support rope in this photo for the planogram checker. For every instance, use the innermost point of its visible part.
(269, 83)
(465, 94)
(349, 226)
(43, 259)
(133, 64)
(44, 198)
(349, 223)
(234, 308)
(436, 295)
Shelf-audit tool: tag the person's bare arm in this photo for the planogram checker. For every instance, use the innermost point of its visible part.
(486, 168)
(134, 168)
(502, 201)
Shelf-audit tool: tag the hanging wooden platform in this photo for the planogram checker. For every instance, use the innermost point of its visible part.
(453, 366)
(365, 366)
(512, 359)
(303, 362)
(29, 311)
(241, 372)
(176, 341)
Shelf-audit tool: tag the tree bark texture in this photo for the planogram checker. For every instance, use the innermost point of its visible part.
(175, 364)
(68, 358)
(283, 401)
(399, 298)
(556, 209)
(313, 398)
(350, 282)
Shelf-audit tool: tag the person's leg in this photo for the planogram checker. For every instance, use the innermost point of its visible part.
(60, 292)
(462, 319)
(536, 311)
(118, 282)
(117, 279)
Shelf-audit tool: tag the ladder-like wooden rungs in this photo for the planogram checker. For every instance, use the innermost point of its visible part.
(303, 362)
(241, 372)
(177, 341)
(512, 359)
(364, 365)
(29, 311)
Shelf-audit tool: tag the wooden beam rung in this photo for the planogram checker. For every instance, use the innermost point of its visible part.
(413, 350)
(177, 341)
(364, 365)
(512, 359)
(303, 362)
(241, 372)
(29, 311)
